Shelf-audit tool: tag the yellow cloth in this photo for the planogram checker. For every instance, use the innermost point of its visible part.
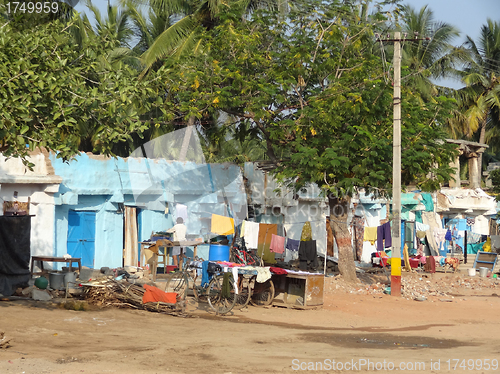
(370, 235)
(487, 245)
(222, 225)
(306, 232)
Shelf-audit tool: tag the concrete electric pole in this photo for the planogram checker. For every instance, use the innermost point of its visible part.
(396, 168)
(396, 173)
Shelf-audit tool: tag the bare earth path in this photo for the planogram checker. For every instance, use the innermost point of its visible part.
(360, 329)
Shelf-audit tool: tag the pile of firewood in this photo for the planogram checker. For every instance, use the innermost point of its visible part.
(122, 294)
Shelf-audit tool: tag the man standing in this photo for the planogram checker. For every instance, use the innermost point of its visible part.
(179, 231)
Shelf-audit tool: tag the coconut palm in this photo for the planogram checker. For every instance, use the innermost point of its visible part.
(480, 99)
(431, 56)
(190, 19)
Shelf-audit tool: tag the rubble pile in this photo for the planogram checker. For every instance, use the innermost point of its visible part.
(417, 286)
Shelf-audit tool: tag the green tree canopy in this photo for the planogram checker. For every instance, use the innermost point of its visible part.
(311, 86)
(51, 92)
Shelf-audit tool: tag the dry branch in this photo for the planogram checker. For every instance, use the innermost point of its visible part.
(122, 294)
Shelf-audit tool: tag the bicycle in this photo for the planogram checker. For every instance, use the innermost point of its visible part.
(244, 257)
(220, 292)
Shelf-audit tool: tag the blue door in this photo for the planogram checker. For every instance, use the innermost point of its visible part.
(81, 236)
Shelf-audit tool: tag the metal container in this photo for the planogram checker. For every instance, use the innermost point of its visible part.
(56, 281)
(69, 279)
(483, 272)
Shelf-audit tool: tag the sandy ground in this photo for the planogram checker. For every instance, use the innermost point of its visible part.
(362, 330)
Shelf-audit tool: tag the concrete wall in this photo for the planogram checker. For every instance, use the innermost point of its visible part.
(39, 186)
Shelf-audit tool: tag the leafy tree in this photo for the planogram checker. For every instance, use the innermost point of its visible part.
(312, 88)
(50, 91)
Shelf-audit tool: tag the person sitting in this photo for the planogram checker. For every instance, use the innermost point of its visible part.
(179, 231)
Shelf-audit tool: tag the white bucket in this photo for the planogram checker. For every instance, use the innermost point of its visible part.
(483, 272)
(472, 272)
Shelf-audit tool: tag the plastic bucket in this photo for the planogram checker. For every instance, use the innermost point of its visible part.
(472, 272)
(69, 279)
(483, 272)
(218, 252)
(56, 281)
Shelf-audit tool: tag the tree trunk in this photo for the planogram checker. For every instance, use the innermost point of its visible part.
(339, 209)
(482, 134)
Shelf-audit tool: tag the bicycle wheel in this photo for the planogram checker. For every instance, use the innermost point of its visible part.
(244, 292)
(179, 283)
(220, 303)
(200, 293)
(263, 293)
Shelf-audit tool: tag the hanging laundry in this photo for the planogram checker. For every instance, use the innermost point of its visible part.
(222, 225)
(384, 238)
(471, 222)
(421, 227)
(448, 235)
(370, 235)
(439, 236)
(251, 235)
(266, 230)
(358, 224)
(181, 210)
(306, 232)
(487, 245)
(308, 255)
(481, 225)
(421, 234)
(277, 244)
(473, 238)
(428, 202)
(292, 245)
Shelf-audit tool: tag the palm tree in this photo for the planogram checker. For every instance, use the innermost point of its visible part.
(480, 99)
(190, 19)
(430, 57)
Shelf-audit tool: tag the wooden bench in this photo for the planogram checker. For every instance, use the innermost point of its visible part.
(43, 259)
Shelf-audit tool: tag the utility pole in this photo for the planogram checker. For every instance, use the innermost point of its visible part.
(396, 166)
(396, 173)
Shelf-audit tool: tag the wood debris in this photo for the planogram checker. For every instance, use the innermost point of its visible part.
(122, 294)
(4, 342)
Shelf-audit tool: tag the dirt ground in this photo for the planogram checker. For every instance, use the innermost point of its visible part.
(359, 327)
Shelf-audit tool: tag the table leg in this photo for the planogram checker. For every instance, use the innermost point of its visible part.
(32, 264)
(155, 264)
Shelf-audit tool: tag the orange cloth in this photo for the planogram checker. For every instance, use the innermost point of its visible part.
(222, 225)
(154, 294)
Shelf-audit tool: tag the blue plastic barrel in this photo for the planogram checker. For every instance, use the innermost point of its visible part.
(218, 252)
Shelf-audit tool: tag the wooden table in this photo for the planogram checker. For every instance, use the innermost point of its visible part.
(41, 259)
(154, 247)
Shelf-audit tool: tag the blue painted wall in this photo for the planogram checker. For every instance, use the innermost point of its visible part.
(102, 184)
